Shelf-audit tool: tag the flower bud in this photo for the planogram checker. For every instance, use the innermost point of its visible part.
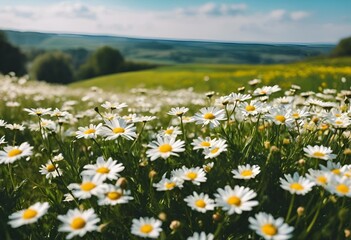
(175, 224)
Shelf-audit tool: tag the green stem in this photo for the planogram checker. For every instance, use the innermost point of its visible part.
(290, 208)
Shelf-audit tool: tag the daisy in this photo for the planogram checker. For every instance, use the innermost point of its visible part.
(114, 195)
(319, 177)
(38, 111)
(217, 148)
(251, 109)
(246, 171)
(166, 184)
(296, 184)
(146, 227)
(203, 143)
(11, 154)
(280, 116)
(210, 115)
(29, 215)
(78, 222)
(50, 170)
(171, 132)
(87, 188)
(340, 186)
(319, 152)
(117, 128)
(266, 90)
(269, 228)
(164, 147)
(196, 175)
(114, 105)
(15, 126)
(59, 114)
(178, 111)
(335, 169)
(103, 170)
(88, 132)
(200, 202)
(238, 97)
(201, 236)
(235, 200)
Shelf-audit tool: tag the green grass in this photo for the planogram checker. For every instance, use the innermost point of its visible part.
(226, 78)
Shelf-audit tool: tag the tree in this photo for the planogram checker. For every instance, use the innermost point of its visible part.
(11, 58)
(103, 61)
(53, 67)
(343, 48)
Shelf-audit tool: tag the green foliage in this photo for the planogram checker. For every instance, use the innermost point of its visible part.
(343, 48)
(103, 61)
(53, 67)
(11, 58)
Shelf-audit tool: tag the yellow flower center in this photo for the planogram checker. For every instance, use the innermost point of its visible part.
(233, 200)
(296, 115)
(170, 185)
(209, 116)
(146, 228)
(205, 144)
(250, 108)
(89, 131)
(296, 186)
(192, 175)
(50, 167)
(246, 173)
(336, 171)
(280, 118)
(213, 151)
(342, 188)
(165, 148)
(337, 115)
(169, 131)
(114, 195)
(318, 154)
(118, 130)
(14, 152)
(103, 170)
(324, 127)
(338, 122)
(87, 186)
(78, 223)
(200, 203)
(269, 229)
(322, 179)
(29, 213)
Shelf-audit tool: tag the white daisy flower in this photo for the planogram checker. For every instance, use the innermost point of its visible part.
(246, 171)
(103, 170)
(87, 188)
(178, 111)
(114, 195)
(201, 236)
(208, 166)
(319, 152)
(235, 200)
(335, 169)
(59, 114)
(117, 128)
(146, 227)
(113, 105)
(29, 215)
(266, 90)
(238, 97)
(195, 175)
(200, 202)
(280, 116)
(296, 184)
(38, 111)
(339, 186)
(298, 114)
(210, 115)
(166, 184)
(217, 148)
(77, 222)
(170, 132)
(319, 177)
(269, 228)
(11, 154)
(164, 147)
(88, 132)
(203, 143)
(251, 109)
(50, 170)
(15, 126)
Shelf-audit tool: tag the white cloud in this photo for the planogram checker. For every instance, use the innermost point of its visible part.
(298, 15)
(226, 22)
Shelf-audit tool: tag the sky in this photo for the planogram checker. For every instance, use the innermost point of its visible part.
(270, 21)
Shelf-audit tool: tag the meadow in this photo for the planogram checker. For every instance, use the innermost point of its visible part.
(119, 158)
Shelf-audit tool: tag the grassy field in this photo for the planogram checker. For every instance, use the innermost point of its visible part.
(227, 78)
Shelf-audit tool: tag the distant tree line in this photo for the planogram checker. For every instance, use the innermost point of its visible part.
(64, 66)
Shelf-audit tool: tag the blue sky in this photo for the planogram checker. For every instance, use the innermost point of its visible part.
(288, 21)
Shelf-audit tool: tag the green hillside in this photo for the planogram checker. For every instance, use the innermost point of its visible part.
(172, 51)
(227, 78)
